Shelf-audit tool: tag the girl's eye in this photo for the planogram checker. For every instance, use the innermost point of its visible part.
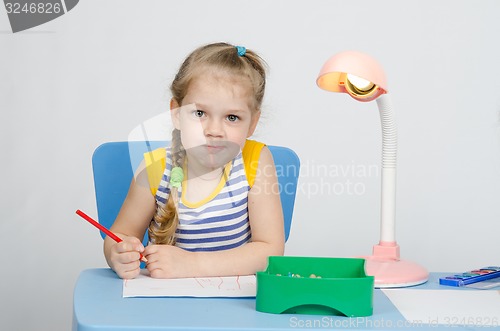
(199, 113)
(232, 118)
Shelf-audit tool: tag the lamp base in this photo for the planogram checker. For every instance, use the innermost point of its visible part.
(390, 271)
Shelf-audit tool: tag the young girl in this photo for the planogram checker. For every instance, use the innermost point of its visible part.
(216, 210)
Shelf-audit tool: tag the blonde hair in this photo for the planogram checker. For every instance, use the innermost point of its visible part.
(220, 57)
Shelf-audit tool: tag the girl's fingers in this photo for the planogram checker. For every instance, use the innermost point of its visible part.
(129, 270)
(155, 271)
(128, 257)
(129, 245)
(150, 249)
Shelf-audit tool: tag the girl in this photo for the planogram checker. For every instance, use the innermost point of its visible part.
(215, 210)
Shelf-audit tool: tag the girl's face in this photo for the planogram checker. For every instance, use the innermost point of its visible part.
(215, 119)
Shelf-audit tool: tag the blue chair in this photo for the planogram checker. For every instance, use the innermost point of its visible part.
(114, 163)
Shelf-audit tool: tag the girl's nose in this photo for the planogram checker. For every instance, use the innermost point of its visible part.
(213, 128)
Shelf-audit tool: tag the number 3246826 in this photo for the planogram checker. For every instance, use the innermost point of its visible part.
(33, 8)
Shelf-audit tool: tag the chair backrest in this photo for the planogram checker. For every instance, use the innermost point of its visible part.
(114, 163)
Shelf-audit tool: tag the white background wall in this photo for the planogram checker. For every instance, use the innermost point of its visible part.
(95, 73)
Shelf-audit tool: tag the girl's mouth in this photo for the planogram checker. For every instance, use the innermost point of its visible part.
(215, 148)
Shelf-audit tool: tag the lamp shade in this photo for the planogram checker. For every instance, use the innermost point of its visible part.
(334, 75)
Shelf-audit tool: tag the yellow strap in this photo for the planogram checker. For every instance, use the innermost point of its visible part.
(156, 162)
(155, 166)
(251, 155)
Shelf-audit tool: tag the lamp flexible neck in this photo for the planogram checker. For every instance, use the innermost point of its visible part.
(388, 189)
(389, 132)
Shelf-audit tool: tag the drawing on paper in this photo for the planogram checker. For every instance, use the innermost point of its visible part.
(232, 286)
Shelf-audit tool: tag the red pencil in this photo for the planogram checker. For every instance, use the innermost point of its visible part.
(103, 229)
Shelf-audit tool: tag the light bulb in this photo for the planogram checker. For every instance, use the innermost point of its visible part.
(360, 88)
(361, 84)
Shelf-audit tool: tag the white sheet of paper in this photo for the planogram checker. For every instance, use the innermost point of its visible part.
(233, 286)
(485, 284)
(449, 307)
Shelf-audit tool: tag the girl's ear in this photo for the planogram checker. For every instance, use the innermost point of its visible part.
(174, 113)
(253, 124)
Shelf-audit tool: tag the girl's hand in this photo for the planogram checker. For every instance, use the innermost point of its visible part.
(166, 261)
(124, 257)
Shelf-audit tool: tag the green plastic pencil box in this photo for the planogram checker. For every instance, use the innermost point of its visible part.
(315, 285)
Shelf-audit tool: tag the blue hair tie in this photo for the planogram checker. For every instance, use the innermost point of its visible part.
(241, 50)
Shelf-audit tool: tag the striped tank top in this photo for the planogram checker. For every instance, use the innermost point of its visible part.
(221, 220)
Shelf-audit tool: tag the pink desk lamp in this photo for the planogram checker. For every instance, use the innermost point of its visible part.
(362, 77)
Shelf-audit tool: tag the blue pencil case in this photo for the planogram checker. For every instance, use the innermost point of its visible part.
(473, 276)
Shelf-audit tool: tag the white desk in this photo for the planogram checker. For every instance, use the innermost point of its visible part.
(98, 305)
